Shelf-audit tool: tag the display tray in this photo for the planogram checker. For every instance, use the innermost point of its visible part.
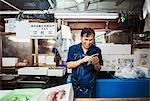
(21, 94)
(33, 78)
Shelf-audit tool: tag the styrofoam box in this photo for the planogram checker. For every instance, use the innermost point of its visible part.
(115, 49)
(21, 94)
(48, 60)
(33, 71)
(58, 71)
(43, 96)
(111, 61)
(9, 61)
(142, 58)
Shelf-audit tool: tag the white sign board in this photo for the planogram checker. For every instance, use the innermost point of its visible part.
(42, 30)
(10, 24)
(22, 29)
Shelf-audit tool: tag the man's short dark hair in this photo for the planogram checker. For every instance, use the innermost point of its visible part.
(87, 31)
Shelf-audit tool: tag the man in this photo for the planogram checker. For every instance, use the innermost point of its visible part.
(84, 59)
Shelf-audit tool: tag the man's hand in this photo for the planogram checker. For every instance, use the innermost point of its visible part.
(86, 59)
(95, 60)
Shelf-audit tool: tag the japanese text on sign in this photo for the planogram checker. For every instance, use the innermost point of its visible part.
(42, 30)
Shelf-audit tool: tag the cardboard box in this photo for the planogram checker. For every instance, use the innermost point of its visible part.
(9, 61)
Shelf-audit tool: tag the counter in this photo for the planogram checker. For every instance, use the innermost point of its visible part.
(111, 99)
(4, 92)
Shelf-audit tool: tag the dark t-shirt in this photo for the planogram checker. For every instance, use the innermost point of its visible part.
(87, 73)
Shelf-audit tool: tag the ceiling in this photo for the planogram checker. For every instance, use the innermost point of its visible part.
(70, 6)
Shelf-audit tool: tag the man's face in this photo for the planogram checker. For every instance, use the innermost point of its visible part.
(87, 41)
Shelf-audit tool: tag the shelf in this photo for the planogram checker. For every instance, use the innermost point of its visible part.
(7, 33)
(141, 45)
(43, 54)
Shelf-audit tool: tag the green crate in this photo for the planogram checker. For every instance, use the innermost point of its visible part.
(21, 94)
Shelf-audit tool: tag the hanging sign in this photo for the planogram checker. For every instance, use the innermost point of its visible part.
(22, 29)
(42, 30)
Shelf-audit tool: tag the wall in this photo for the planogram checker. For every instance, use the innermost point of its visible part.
(15, 49)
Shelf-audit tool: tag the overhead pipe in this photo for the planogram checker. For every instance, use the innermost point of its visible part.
(11, 5)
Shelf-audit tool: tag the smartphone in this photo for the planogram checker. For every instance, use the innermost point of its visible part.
(95, 55)
(90, 62)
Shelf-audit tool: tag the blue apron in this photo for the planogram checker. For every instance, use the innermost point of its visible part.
(83, 79)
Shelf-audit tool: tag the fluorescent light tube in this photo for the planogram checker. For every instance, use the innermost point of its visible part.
(87, 15)
(79, 1)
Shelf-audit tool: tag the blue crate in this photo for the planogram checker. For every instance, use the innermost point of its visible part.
(123, 88)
